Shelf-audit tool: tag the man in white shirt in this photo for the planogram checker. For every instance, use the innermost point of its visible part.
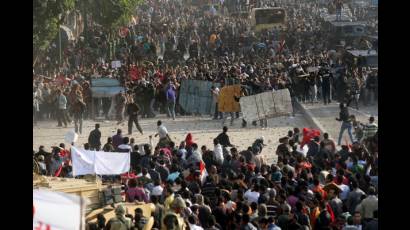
(218, 152)
(252, 195)
(157, 189)
(125, 147)
(345, 189)
(163, 134)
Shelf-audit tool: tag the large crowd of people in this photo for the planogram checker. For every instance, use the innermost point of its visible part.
(162, 49)
(194, 186)
(222, 187)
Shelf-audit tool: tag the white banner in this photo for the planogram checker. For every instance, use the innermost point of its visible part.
(83, 162)
(99, 162)
(109, 163)
(57, 211)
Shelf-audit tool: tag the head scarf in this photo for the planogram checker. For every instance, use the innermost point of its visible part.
(188, 140)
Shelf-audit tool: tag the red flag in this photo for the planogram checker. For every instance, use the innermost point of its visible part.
(201, 166)
(63, 153)
(330, 210)
(58, 172)
(309, 134)
(203, 171)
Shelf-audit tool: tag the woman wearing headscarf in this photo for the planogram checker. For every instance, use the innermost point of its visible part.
(189, 140)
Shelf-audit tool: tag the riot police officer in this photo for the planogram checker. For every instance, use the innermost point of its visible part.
(326, 77)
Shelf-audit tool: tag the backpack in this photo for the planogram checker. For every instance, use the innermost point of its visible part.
(121, 224)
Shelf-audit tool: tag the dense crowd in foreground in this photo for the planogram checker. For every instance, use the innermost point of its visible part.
(223, 187)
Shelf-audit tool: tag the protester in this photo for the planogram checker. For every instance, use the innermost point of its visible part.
(171, 100)
(369, 129)
(117, 139)
(223, 138)
(121, 101)
(108, 147)
(62, 106)
(94, 139)
(125, 146)
(188, 140)
(163, 134)
(346, 123)
(215, 95)
(135, 191)
(78, 109)
(132, 111)
(119, 221)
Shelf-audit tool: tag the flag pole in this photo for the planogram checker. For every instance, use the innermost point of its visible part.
(81, 213)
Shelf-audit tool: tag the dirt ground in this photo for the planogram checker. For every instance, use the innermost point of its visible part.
(203, 129)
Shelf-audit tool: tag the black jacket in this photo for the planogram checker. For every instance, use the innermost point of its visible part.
(145, 161)
(155, 176)
(313, 149)
(134, 159)
(94, 139)
(224, 140)
(326, 77)
(344, 115)
(163, 171)
(132, 109)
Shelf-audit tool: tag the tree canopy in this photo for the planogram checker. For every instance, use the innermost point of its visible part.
(48, 15)
(112, 14)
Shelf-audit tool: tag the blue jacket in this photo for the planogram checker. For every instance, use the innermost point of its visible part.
(171, 94)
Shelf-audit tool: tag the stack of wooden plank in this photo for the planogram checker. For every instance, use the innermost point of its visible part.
(88, 188)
